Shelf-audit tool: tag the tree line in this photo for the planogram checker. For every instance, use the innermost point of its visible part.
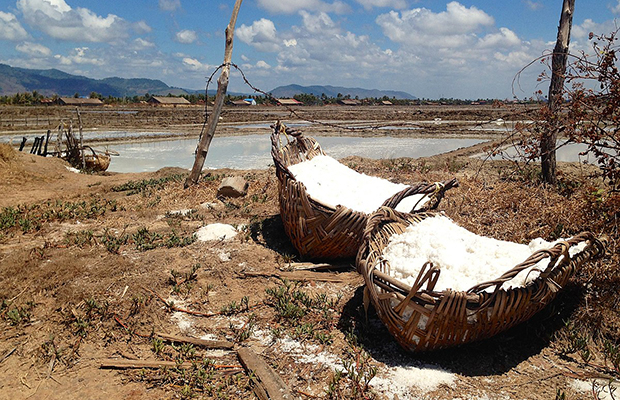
(37, 98)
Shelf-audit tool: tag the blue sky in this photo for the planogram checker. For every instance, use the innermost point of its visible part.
(462, 49)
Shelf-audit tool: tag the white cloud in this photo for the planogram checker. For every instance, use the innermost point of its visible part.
(261, 35)
(582, 31)
(290, 42)
(290, 7)
(142, 27)
(57, 19)
(616, 9)
(33, 49)
(420, 26)
(505, 38)
(319, 23)
(140, 44)
(193, 64)
(10, 28)
(169, 5)
(534, 5)
(186, 36)
(79, 55)
(263, 65)
(369, 4)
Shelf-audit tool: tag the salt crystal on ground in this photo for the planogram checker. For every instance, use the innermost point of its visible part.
(605, 390)
(465, 259)
(71, 169)
(216, 231)
(334, 184)
(407, 380)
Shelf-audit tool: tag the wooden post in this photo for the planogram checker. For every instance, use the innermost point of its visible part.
(222, 85)
(81, 138)
(558, 70)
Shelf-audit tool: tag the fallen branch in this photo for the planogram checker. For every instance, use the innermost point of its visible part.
(306, 276)
(8, 354)
(138, 364)
(196, 313)
(267, 383)
(209, 344)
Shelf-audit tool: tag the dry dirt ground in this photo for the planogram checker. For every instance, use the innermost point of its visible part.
(100, 267)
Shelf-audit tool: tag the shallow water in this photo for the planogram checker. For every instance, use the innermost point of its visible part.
(565, 153)
(254, 151)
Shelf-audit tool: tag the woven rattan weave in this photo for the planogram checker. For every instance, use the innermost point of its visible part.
(422, 319)
(318, 230)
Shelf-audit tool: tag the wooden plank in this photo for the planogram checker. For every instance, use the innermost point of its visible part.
(209, 344)
(267, 383)
(308, 266)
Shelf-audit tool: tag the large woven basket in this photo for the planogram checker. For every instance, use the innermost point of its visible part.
(318, 230)
(422, 319)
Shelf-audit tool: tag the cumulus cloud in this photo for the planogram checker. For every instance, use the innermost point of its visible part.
(616, 9)
(505, 38)
(421, 26)
(140, 44)
(10, 28)
(291, 7)
(261, 35)
(319, 23)
(193, 64)
(263, 65)
(186, 36)
(79, 55)
(57, 19)
(33, 49)
(169, 5)
(369, 4)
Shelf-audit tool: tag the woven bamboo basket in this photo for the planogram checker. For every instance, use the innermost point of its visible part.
(423, 319)
(318, 230)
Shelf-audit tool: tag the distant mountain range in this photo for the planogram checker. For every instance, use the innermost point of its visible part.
(52, 81)
(334, 91)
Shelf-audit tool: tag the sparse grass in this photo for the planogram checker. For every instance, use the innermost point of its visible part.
(31, 218)
(303, 316)
(134, 187)
(354, 381)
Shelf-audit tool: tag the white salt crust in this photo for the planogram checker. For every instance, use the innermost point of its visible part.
(465, 259)
(333, 183)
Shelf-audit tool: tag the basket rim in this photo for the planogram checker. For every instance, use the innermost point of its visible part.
(477, 293)
(435, 189)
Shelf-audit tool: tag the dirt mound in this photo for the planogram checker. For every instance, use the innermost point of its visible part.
(27, 178)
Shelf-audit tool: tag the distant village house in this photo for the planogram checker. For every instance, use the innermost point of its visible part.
(168, 101)
(244, 102)
(289, 102)
(349, 102)
(78, 102)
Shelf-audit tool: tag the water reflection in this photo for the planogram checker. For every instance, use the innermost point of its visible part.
(253, 151)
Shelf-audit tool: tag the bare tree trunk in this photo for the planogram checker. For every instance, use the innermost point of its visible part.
(558, 71)
(222, 85)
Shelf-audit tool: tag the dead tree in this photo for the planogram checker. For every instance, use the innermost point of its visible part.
(558, 71)
(222, 85)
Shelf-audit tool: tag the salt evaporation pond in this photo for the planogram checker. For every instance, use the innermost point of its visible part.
(565, 153)
(254, 151)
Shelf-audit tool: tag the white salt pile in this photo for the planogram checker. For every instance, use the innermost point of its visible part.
(465, 259)
(335, 184)
(216, 231)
